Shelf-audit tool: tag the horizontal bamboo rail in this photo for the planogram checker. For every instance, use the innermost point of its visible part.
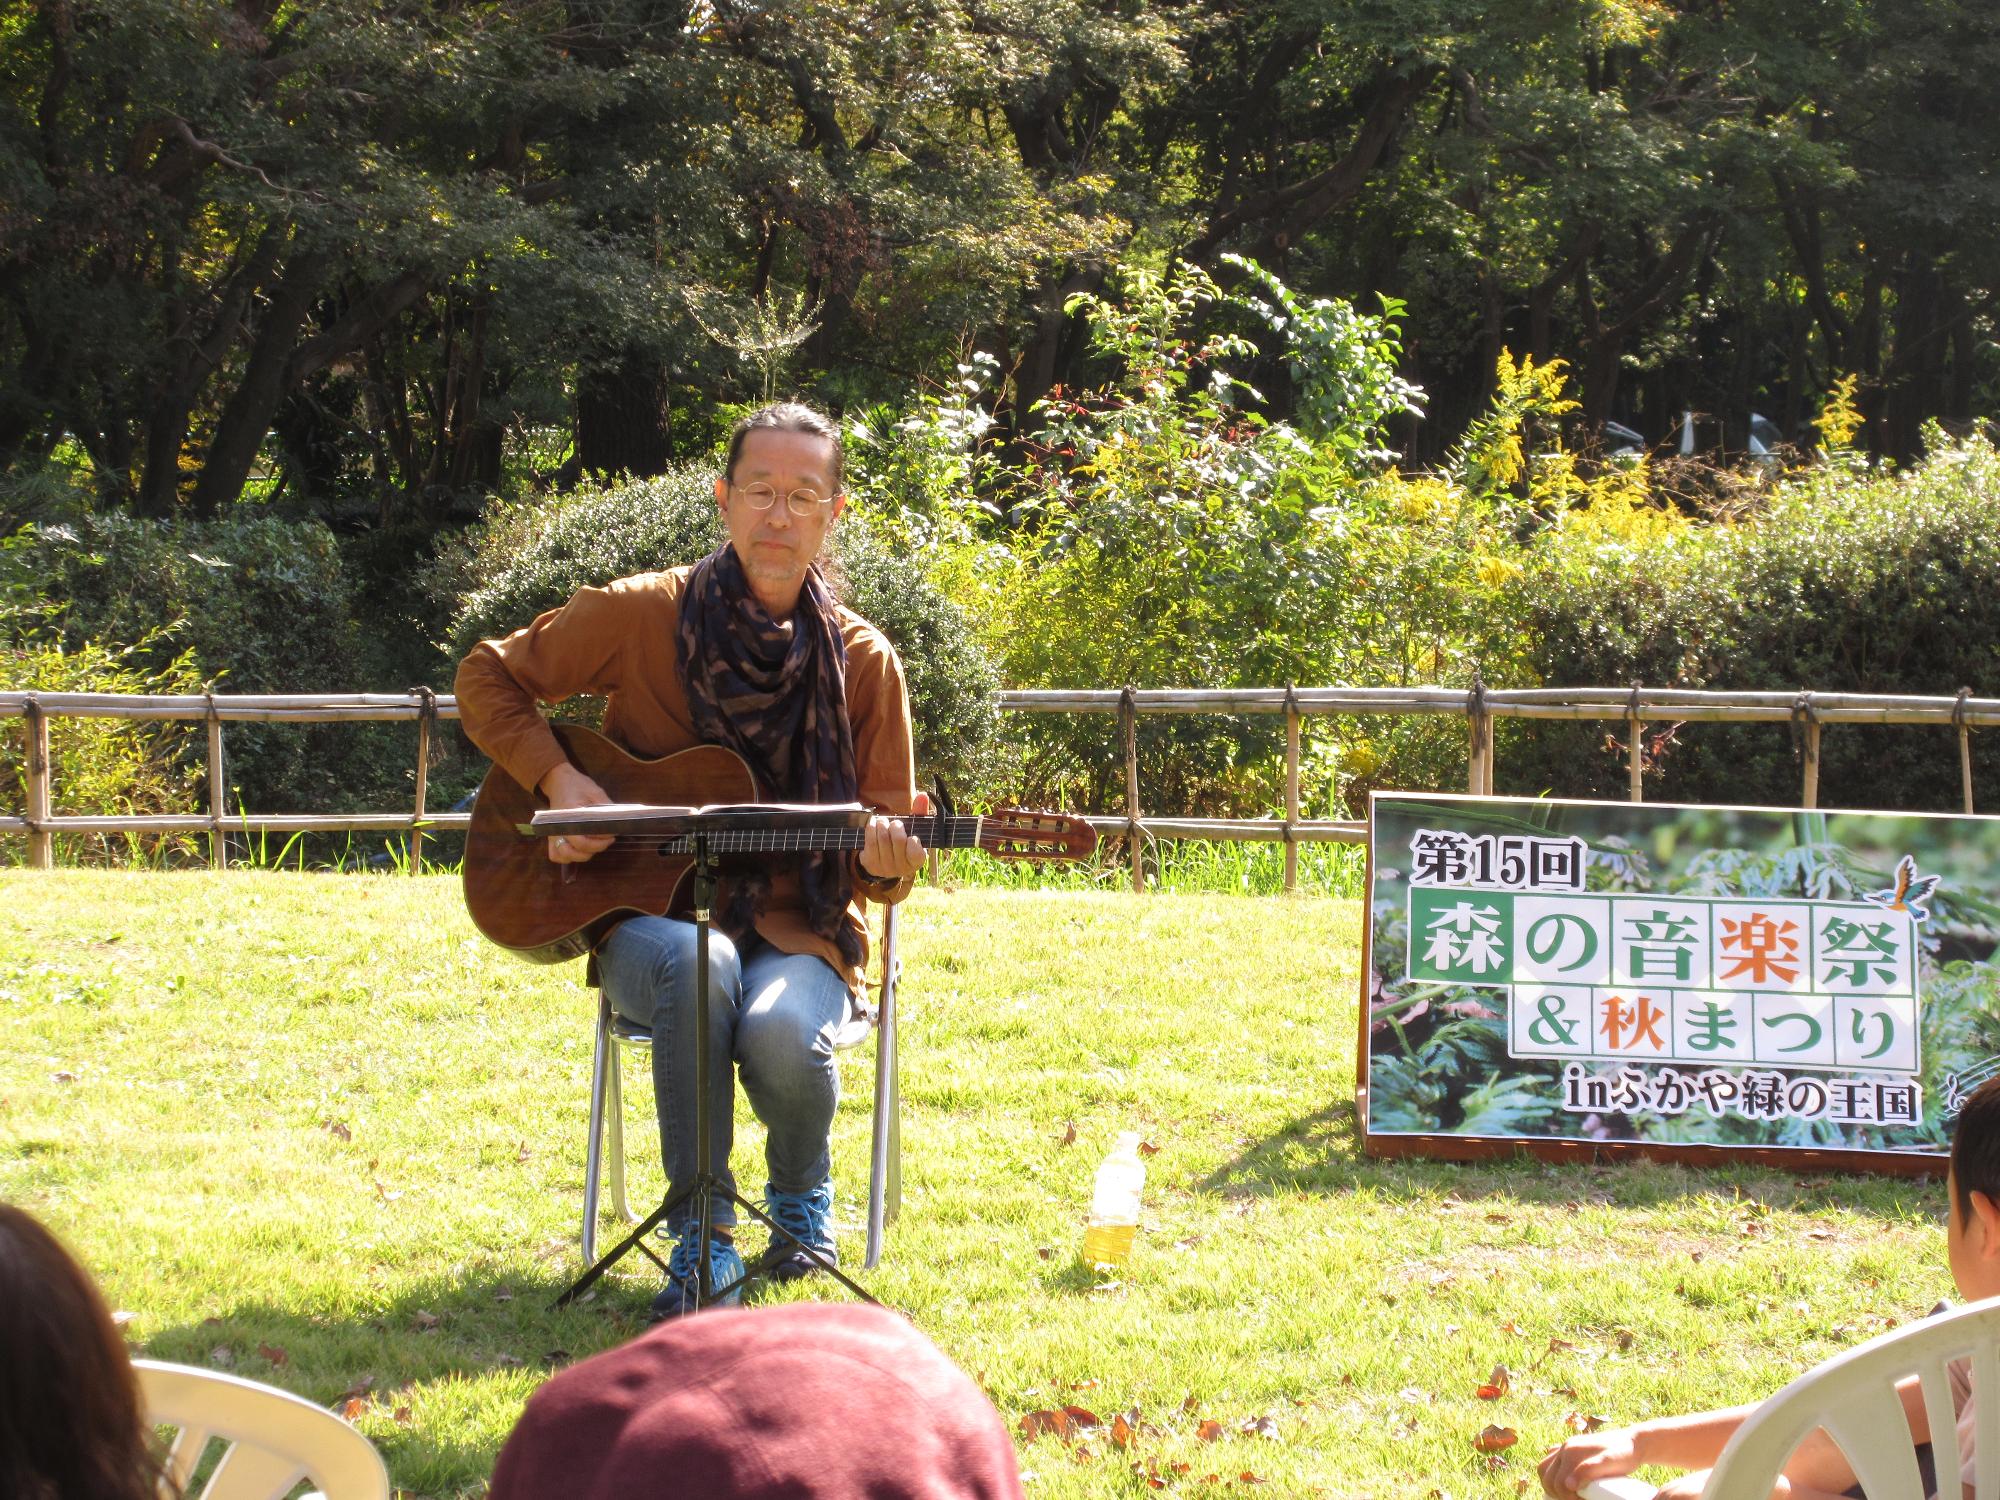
(214, 710)
(1636, 706)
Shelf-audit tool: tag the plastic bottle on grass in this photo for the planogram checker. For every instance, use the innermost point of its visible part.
(1114, 1204)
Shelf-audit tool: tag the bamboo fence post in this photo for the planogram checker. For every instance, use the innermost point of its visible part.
(1291, 786)
(1635, 749)
(41, 843)
(426, 716)
(1479, 741)
(1806, 720)
(218, 842)
(1128, 718)
(1964, 745)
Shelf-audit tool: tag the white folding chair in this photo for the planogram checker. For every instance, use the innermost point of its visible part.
(615, 1034)
(275, 1440)
(1853, 1396)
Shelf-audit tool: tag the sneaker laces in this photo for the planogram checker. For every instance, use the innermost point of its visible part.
(803, 1216)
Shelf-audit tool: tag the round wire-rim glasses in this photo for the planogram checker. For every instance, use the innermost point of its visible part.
(801, 502)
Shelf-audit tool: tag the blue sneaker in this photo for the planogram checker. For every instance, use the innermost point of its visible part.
(808, 1218)
(682, 1293)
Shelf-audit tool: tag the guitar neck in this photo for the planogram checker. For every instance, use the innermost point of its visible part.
(935, 832)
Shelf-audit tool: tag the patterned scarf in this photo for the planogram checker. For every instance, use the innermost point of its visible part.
(775, 692)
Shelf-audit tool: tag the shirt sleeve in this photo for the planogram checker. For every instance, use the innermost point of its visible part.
(878, 706)
(575, 649)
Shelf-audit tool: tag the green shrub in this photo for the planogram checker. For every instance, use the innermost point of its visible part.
(1850, 581)
(524, 560)
(257, 603)
(98, 766)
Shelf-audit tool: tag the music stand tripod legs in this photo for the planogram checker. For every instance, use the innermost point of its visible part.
(704, 1187)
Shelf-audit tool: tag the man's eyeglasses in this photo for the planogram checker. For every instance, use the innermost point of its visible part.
(800, 502)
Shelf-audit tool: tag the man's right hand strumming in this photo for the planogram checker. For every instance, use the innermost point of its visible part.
(566, 786)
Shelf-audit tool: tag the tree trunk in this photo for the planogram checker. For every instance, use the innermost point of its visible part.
(621, 418)
(246, 419)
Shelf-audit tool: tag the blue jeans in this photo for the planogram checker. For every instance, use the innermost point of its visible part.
(772, 1014)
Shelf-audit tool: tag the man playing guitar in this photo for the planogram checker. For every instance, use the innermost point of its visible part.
(747, 649)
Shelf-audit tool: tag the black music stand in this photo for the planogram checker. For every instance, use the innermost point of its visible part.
(705, 834)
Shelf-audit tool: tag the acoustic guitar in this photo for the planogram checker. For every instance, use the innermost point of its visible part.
(549, 912)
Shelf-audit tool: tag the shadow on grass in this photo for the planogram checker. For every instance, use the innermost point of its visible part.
(485, 1340)
(1320, 1154)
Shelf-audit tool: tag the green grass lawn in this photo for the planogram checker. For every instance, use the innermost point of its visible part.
(311, 1128)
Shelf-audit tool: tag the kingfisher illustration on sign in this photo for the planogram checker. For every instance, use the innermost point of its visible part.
(1612, 973)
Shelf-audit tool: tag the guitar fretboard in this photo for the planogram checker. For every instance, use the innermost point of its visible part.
(936, 833)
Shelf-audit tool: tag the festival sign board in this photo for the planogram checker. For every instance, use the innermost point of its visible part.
(1596, 978)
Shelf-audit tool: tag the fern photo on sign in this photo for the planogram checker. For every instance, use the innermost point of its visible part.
(1591, 978)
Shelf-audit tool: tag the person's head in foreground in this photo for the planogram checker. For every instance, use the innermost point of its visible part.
(794, 1402)
(1818, 1470)
(71, 1423)
(1972, 1221)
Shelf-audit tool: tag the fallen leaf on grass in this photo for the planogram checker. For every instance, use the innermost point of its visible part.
(222, 1357)
(337, 1129)
(425, 1321)
(1262, 1427)
(1147, 1148)
(1578, 1421)
(1209, 1430)
(1061, 1422)
(1045, 1252)
(1497, 1384)
(1510, 1326)
(63, 1077)
(274, 1353)
(1191, 1403)
(1246, 1477)
(503, 1294)
(386, 1193)
(1121, 1432)
(351, 1409)
(1083, 1385)
(1495, 1440)
(403, 1417)
(1068, 1135)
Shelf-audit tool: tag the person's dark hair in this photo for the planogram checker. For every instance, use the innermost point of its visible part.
(1975, 1148)
(71, 1420)
(788, 416)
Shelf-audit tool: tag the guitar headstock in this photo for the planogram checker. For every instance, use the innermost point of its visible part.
(1015, 833)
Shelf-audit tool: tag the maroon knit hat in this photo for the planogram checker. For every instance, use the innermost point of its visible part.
(796, 1402)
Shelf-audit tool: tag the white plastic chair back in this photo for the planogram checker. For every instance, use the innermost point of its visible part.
(1853, 1396)
(276, 1439)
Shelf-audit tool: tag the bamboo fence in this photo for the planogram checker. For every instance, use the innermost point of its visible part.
(1807, 713)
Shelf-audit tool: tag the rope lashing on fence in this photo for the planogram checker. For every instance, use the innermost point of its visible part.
(1479, 776)
(1805, 745)
(427, 751)
(1964, 728)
